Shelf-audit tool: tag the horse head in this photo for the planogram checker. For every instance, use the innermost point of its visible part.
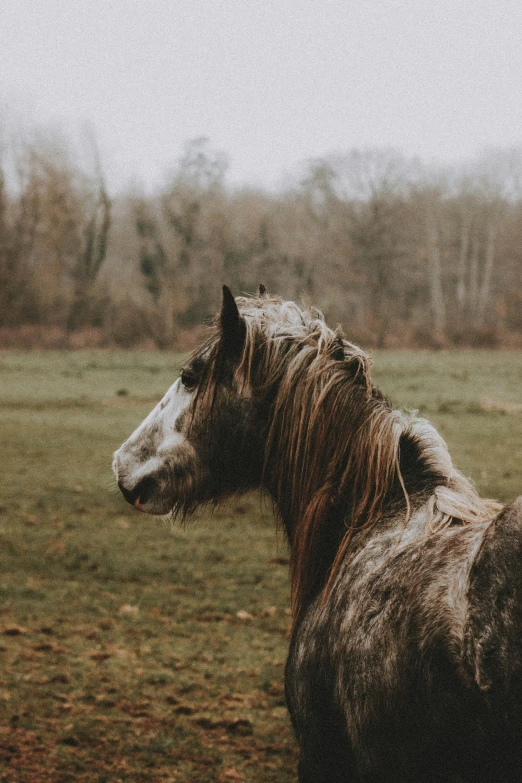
(262, 403)
(204, 440)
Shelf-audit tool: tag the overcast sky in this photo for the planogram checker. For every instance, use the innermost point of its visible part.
(270, 82)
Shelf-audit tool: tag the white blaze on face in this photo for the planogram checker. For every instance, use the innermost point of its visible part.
(152, 447)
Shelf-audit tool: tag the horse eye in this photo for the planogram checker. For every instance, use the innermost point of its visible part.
(188, 379)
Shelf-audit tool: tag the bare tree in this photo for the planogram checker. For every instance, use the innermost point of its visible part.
(400, 253)
(19, 218)
(93, 248)
(438, 306)
(190, 203)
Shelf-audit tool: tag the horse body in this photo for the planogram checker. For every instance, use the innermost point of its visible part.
(405, 662)
(387, 667)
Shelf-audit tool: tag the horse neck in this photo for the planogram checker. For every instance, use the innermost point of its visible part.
(332, 462)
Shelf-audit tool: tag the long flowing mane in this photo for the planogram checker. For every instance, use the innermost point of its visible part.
(339, 459)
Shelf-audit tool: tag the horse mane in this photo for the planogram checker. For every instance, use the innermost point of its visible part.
(339, 458)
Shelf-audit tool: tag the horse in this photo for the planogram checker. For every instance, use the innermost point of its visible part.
(405, 659)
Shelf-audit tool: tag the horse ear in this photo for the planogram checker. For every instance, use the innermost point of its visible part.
(359, 366)
(337, 347)
(231, 324)
(262, 290)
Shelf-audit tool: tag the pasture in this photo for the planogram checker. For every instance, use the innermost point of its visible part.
(132, 649)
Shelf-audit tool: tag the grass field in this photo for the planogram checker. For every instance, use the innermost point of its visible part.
(122, 654)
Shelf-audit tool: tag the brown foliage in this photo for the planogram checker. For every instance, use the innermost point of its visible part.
(402, 256)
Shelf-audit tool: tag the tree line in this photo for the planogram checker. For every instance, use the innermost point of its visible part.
(400, 253)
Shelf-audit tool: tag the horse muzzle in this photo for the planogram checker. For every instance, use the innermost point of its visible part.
(141, 493)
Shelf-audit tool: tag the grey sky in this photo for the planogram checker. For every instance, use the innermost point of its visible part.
(270, 82)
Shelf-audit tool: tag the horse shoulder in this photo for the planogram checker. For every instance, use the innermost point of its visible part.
(393, 625)
(392, 601)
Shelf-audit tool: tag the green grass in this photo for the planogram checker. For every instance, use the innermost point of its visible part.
(122, 656)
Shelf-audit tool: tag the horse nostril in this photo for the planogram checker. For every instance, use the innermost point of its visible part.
(143, 490)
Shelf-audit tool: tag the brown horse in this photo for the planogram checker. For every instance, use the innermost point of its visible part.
(406, 657)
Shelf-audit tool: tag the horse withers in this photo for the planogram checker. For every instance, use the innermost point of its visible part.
(405, 661)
